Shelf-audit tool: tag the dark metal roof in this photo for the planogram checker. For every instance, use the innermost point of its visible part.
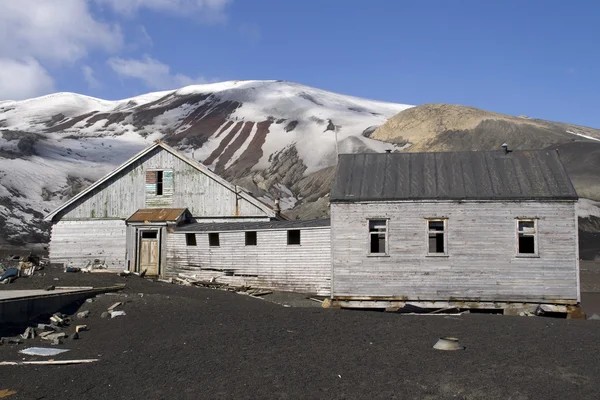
(157, 215)
(252, 226)
(492, 175)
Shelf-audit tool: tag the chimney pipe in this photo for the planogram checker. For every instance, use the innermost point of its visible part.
(277, 208)
(388, 151)
(505, 147)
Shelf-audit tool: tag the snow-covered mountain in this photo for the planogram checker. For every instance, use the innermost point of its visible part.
(273, 137)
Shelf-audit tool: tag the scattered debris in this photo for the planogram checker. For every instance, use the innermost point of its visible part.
(81, 328)
(29, 333)
(49, 362)
(72, 269)
(6, 392)
(49, 288)
(114, 314)
(95, 266)
(104, 314)
(9, 275)
(83, 314)
(42, 351)
(90, 300)
(595, 317)
(317, 300)
(448, 343)
(46, 327)
(10, 340)
(53, 336)
(117, 304)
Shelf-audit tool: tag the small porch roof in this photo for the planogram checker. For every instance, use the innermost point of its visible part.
(150, 215)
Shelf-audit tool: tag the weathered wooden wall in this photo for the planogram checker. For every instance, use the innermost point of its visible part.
(125, 193)
(481, 262)
(74, 243)
(271, 264)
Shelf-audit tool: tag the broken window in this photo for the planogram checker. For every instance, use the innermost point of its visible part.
(436, 236)
(527, 237)
(149, 234)
(159, 183)
(213, 240)
(250, 238)
(378, 236)
(293, 236)
(190, 239)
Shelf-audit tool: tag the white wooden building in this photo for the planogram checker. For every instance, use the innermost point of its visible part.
(470, 229)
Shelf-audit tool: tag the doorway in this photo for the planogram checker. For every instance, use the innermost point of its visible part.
(149, 252)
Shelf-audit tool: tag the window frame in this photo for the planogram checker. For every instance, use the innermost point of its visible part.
(189, 242)
(444, 232)
(255, 238)
(211, 241)
(536, 253)
(387, 237)
(160, 183)
(299, 237)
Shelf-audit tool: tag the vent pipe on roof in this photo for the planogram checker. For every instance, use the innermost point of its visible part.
(277, 208)
(388, 151)
(505, 147)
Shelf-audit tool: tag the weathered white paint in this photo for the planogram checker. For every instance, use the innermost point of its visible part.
(75, 243)
(125, 192)
(482, 264)
(271, 264)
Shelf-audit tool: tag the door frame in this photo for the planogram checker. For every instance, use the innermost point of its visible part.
(138, 245)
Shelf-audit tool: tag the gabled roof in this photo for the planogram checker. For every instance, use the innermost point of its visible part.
(491, 175)
(253, 226)
(200, 167)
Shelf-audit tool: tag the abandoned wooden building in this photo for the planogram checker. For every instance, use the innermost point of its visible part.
(131, 219)
(471, 229)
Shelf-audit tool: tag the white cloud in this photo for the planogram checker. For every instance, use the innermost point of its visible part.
(89, 76)
(53, 30)
(153, 73)
(211, 10)
(23, 79)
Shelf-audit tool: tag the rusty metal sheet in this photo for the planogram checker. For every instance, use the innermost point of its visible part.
(157, 215)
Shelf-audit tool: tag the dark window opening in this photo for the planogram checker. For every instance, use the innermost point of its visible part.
(526, 237)
(293, 237)
(213, 240)
(149, 234)
(437, 242)
(159, 183)
(250, 238)
(190, 239)
(377, 236)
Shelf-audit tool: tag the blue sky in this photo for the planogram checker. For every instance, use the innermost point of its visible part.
(535, 58)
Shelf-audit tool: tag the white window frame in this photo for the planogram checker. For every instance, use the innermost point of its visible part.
(536, 240)
(387, 237)
(444, 232)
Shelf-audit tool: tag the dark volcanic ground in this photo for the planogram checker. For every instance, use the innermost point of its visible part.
(190, 343)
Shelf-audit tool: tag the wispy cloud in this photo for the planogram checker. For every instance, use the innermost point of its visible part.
(21, 79)
(208, 10)
(152, 73)
(90, 78)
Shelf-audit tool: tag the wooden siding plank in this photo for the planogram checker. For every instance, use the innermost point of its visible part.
(127, 192)
(271, 264)
(482, 262)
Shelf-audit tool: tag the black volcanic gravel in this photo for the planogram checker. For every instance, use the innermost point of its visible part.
(191, 343)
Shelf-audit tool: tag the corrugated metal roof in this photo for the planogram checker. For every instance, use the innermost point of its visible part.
(493, 175)
(252, 226)
(157, 215)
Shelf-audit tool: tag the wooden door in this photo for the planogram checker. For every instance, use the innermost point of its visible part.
(149, 254)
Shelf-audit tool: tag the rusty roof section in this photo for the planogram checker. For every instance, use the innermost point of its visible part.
(157, 215)
(473, 175)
